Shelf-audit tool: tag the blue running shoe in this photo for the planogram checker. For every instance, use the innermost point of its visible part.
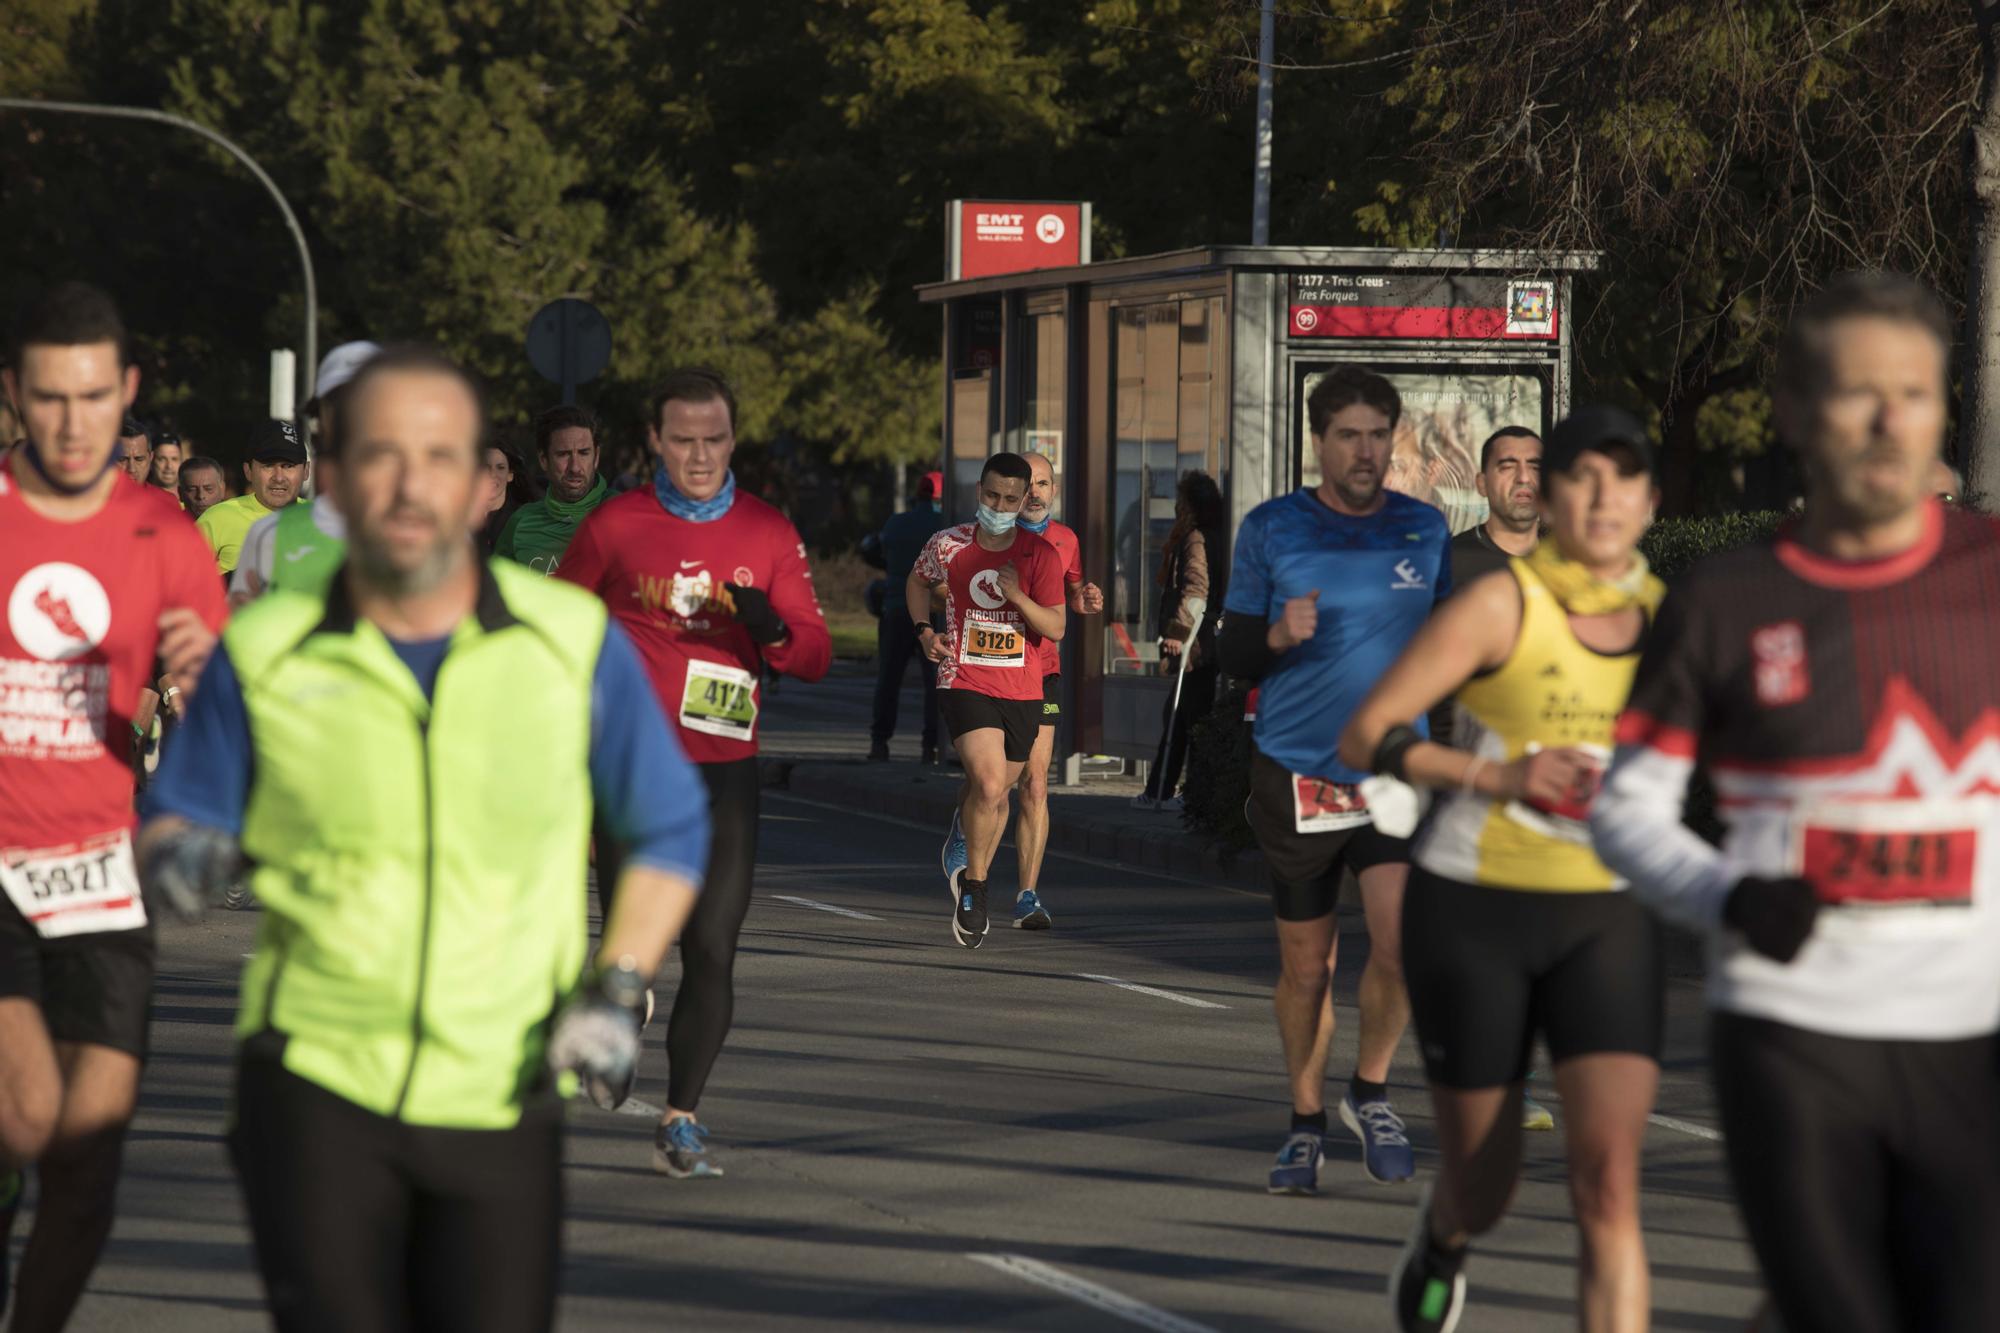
(1385, 1150)
(953, 857)
(680, 1150)
(1297, 1168)
(1029, 914)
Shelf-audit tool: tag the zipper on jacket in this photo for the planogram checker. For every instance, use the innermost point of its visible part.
(423, 934)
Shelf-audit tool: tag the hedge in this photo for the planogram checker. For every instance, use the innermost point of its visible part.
(1218, 768)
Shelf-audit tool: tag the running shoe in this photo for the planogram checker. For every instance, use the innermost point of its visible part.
(1029, 914)
(1427, 1285)
(1534, 1115)
(1145, 802)
(969, 920)
(10, 1203)
(1385, 1149)
(237, 897)
(878, 752)
(953, 857)
(1297, 1168)
(680, 1150)
(1171, 805)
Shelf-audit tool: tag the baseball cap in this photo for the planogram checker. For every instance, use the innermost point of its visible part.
(339, 366)
(276, 442)
(936, 480)
(131, 426)
(1592, 427)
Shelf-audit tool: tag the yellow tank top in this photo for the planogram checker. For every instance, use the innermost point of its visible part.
(1551, 692)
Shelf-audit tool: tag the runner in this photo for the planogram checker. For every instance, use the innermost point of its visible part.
(570, 443)
(414, 990)
(1003, 600)
(1835, 682)
(166, 473)
(100, 576)
(712, 584)
(276, 472)
(135, 448)
(1511, 925)
(1327, 586)
(1031, 823)
(202, 486)
(301, 546)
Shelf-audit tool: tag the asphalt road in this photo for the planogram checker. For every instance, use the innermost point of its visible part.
(918, 1136)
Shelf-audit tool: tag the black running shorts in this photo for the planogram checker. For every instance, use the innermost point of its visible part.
(1489, 968)
(1017, 719)
(1051, 698)
(96, 990)
(1306, 868)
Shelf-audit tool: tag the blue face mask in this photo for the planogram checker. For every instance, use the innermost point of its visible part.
(996, 523)
(1038, 528)
(937, 506)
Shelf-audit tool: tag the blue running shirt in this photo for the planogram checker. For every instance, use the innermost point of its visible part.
(1378, 578)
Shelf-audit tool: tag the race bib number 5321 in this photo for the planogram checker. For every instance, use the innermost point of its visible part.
(81, 889)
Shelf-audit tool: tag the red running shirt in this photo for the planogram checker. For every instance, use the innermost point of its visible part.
(992, 650)
(1070, 554)
(84, 601)
(662, 578)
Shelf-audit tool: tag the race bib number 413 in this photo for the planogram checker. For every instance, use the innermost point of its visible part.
(719, 700)
(82, 889)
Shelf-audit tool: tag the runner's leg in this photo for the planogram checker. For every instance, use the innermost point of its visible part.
(1945, 1209)
(1384, 1003)
(1479, 1152)
(989, 778)
(1606, 1099)
(486, 1232)
(1031, 820)
(706, 1002)
(30, 1083)
(1304, 1004)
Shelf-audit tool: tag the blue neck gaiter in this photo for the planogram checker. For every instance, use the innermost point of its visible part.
(1038, 528)
(695, 511)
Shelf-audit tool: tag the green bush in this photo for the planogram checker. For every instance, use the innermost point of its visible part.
(1672, 544)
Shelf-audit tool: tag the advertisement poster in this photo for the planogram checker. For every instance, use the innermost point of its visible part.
(1447, 415)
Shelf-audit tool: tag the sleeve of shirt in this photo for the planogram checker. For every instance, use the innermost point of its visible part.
(1249, 573)
(260, 548)
(648, 794)
(806, 651)
(207, 525)
(1073, 576)
(504, 544)
(205, 768)
(583, 564)
(1047, 578)
(928, 564)
(1444, 572)
(188, 577)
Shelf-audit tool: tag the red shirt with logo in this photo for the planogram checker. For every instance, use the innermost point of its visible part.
(1069, 552)
(83, 602)
(992, 649)
(662, 578)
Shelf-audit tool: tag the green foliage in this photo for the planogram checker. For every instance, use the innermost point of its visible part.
(1672, 544)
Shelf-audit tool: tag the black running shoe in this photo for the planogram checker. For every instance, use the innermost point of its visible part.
(11, 1185)
(968, 919)
(1427, 1286)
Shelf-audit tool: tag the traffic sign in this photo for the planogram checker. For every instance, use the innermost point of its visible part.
(569, 342)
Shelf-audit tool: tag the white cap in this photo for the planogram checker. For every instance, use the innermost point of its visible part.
(342, 364)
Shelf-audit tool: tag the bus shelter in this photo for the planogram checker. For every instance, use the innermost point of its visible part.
(1130, 372)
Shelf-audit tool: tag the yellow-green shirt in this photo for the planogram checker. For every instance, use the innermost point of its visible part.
(226, 524)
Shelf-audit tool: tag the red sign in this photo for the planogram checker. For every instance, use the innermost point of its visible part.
(1422, 305)
(987, 236)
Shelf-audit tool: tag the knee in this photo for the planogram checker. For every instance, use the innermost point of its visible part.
(1034, 787)
(28, 1116)
(1604, 1191)
(990, 790)
(1305, 974)
(1477, 1201)
(1386, 961)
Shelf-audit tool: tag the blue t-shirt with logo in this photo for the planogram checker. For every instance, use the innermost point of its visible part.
(1377, 577)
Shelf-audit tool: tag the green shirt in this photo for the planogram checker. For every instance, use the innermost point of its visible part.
(539, 533)
(226, 524)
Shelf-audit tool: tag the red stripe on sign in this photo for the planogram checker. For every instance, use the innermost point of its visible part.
(1365, 321)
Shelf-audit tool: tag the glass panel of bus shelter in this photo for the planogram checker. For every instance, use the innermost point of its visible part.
(1045, 392)
(975, 363)
(1447, 415)
(1147, 413)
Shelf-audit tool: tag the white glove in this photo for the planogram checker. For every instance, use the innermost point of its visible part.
(597, 1036)
(1396, 806)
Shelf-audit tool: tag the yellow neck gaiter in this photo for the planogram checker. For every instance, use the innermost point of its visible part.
(1582, 593)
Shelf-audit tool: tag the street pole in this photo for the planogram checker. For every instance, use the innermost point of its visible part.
(310, 367)
(1260, 213)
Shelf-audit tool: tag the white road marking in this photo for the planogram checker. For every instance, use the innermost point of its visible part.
(823, 907)
(1136, 988)
(635, 1106)
(1089, 1293)
(1686, 1127)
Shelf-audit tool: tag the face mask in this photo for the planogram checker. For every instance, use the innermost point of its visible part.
(937, 506)
(996, 523)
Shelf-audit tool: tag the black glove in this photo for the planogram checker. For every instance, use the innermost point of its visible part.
(1775, 915)
(753, 612)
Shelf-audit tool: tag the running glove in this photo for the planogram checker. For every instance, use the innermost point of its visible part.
(1775, 915)
(753, 611)
(191, 867)
(597, 1036)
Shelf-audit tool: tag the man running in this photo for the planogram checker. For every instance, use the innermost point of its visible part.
(202, 486)
(1003, 600)
(1031, 822)
(276, 473)
(166, 473)
(568, 439)
(135, 448)
(1836, 683)
(1327, 587)
(712, 584)
(1512, 928)
(301, 546)
(101, 576)
(414, 991)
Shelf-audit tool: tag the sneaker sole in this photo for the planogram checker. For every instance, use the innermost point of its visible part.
(1457, 1310)
(1293, 1191)
(665, 1167)
(965, 937)
(1353, 1123)
(1034, 921)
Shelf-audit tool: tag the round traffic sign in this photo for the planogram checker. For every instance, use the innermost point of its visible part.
(569, 341)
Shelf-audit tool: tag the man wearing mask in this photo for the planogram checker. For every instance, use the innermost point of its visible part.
(276, 471)
(903, 538)
(569, 441)
(135, 448)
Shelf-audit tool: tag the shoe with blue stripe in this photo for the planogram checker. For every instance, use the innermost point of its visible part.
(1297, 1167)
(680, 1150)
(1385, 1148)
(953, 858)
(1029, 914)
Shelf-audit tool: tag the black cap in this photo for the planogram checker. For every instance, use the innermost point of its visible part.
(131, 426)
(277, 442)
(1593, 427)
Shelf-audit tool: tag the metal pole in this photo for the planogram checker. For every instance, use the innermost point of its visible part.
(310, 367)
(1260, 213)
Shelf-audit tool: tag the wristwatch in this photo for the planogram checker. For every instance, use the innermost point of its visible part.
(924, 626)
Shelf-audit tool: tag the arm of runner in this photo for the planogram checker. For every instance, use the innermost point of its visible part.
(253, 567)
(1038, 596)
(806, 651)
(1243, 647)
(1086, 599)
(1635, 822)
(193, 808)
(652, 801)
(926, 576)
(196, 608)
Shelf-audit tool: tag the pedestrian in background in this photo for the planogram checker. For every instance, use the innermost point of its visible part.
(903, 538)
(1186, 574)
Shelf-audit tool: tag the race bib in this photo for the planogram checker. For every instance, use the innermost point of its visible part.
(719, 700)
(988, 642)
(1899, 866)
(1320, 806)
(82, 889)
(1569, 819)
